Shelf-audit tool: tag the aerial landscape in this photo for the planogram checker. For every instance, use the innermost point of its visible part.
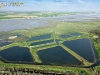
(49, 41)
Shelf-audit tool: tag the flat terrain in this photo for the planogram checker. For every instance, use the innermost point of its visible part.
(11, 15)
(37, 41)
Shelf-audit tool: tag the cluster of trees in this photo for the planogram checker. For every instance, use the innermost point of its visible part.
(97, 32)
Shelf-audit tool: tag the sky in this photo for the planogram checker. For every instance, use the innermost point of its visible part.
(53, 5)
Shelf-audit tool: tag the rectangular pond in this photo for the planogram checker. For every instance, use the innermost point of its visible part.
(70, 35)
(42, 42)
(5, 42)
(17, 54)
(57, 56)
(83, 47)
(46, 36)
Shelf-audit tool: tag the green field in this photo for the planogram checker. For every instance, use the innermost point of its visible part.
(14, 15)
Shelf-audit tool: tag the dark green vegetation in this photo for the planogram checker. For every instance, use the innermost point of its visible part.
(42, 69)
(97, 39)
(2, 17)
(55, 32)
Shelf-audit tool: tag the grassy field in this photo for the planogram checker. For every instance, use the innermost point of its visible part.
(97, 46)
(62, 69)
(11, 15)
(61, 28)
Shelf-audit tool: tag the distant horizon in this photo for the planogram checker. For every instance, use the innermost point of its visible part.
(53, 5)
(56, 11)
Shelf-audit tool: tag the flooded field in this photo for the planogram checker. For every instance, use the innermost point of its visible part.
(17, 54)
(57, 56)
(13, 24)
(83, 47)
